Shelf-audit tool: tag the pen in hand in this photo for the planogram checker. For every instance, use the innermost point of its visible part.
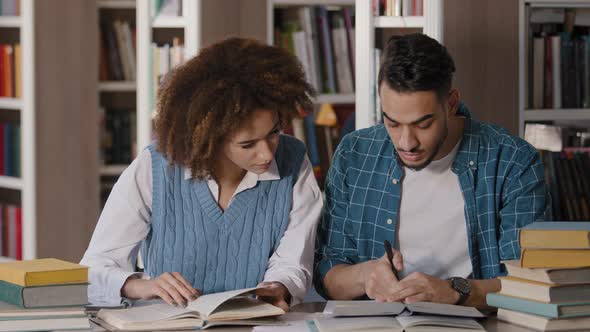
(389, 252)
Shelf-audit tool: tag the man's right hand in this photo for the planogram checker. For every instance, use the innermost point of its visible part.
(170, 287)
(379, 279)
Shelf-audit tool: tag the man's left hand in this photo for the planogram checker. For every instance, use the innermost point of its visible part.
(274, 293)
(420, 287)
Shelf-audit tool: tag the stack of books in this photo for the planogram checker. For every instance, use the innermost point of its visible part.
(43, 294)
(548, 289)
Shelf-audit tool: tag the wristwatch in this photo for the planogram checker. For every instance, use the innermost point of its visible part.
(461, 286)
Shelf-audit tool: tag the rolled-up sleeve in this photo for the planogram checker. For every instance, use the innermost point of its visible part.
(332, 239)
(123, 224)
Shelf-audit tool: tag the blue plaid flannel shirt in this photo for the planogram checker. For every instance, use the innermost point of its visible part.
(501, 177)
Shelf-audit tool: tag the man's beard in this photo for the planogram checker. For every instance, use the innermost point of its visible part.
(439, 144)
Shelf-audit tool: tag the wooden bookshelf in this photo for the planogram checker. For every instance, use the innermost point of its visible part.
(117, 86)
(525, 113)
(431, 23)
(55, 187)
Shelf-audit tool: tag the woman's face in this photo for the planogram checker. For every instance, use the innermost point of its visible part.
(252, 146)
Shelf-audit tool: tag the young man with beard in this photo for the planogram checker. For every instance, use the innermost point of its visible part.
(448, 191)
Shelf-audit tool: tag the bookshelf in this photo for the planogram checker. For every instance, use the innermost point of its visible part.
(55, 164)
(527, 111)
(22, 190)
(273, 5)
(368, 28)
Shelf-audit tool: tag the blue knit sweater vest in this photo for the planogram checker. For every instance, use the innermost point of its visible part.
(218, 250)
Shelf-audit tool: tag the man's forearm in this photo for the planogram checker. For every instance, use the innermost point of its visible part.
(479, 290)
(346, 282)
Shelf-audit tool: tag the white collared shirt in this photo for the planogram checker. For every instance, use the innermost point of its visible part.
(126, 217)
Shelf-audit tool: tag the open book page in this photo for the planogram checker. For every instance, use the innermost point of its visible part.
(363, 308)
(243, 307)
(438, 321)
(145, 314)
(444, 309)
(206, 304)
(372, 324)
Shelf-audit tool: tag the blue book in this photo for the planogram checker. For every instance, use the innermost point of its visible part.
(312, 143)
(329, 78)
(550, 310)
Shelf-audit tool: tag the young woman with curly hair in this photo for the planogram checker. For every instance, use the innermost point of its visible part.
(221, 200)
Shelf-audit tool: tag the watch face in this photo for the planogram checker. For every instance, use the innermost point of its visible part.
(461, 285)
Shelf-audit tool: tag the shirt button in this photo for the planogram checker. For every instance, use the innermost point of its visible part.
(471, 163)
(389, 221)
(394, 181)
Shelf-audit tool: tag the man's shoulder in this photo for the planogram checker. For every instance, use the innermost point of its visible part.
(363, 140)
(494, 137)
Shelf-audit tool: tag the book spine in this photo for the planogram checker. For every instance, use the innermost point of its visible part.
(517, 304)
(12, 294)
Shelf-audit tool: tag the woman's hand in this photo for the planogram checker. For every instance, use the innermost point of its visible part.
(274, 293)
(170, 287)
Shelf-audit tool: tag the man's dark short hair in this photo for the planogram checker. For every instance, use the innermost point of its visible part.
(416, 62)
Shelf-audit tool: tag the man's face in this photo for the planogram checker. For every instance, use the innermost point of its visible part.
(416, 123)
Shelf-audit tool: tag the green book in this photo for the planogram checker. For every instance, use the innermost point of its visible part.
(44, 296)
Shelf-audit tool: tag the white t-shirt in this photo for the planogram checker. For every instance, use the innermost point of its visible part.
(432, 230)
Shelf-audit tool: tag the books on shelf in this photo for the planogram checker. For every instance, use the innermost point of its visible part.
(11, 231)
(10, 70)
(10, 147)
(236, 307)
(117, 51)
(398, 7)
(568, 182)
(559, 59)
(166, 8)
(322, 38)
(118, 132)
(9, 7)
(164, 58)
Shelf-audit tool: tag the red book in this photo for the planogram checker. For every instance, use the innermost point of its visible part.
(19, 233)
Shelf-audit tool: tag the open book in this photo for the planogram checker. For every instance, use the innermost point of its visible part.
(236, 307)
(421, 316)
(372, 308)
(417, 323)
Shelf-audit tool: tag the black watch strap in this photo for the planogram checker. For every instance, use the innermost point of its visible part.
(461, 286)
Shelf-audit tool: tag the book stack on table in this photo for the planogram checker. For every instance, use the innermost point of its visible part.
(548, 289)
(43, 294)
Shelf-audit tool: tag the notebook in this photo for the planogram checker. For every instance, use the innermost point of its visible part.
(372, 308)
(236, 307)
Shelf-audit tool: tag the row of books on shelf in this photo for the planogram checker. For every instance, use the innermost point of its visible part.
(166, 8)
(11, 231)
(118, 132)
(10, 147)
(117, 51)
(164, 58)
(398, 7)
(43, 294)
(323, 40)
(9, 7)
(548, 289)
(10, 71)
(321, 132)
(559, 64)
(566, 175)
